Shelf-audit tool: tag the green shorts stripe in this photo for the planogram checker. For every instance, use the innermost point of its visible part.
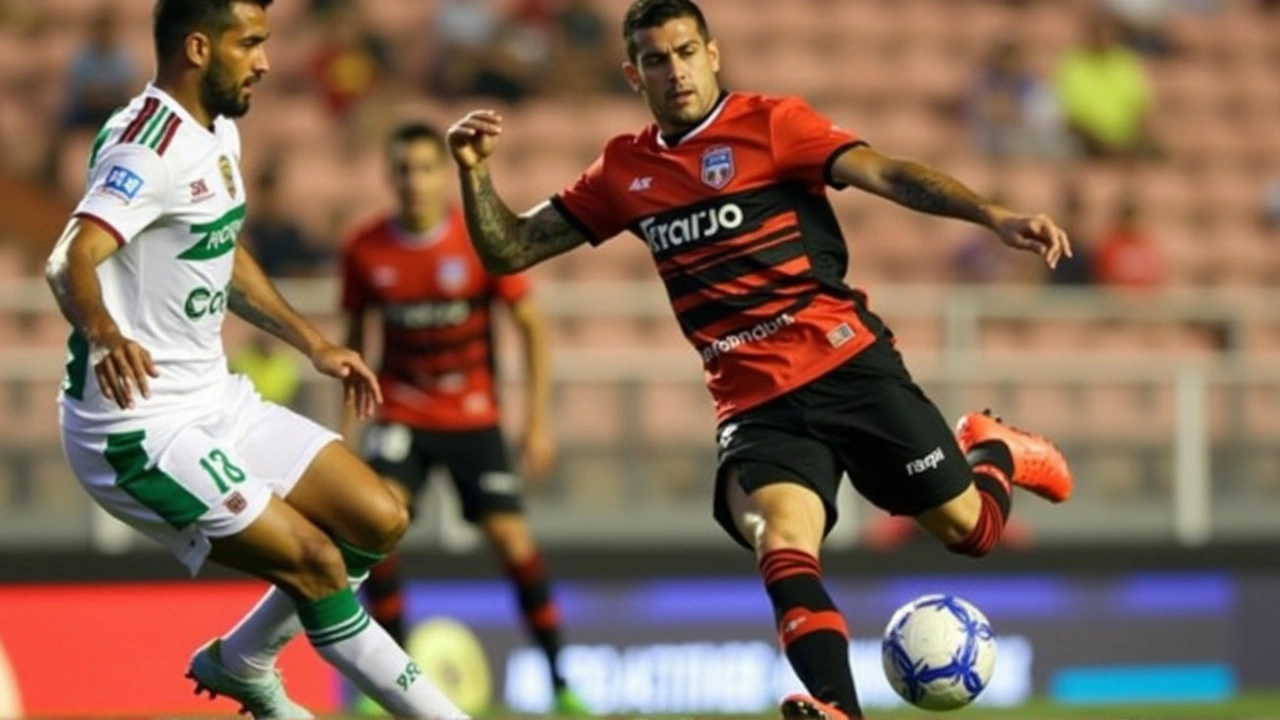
(150, 486)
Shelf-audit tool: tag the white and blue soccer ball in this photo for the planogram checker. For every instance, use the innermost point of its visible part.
(939, 652)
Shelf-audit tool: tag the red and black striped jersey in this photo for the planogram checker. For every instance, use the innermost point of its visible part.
(736, 215)
(435, 299)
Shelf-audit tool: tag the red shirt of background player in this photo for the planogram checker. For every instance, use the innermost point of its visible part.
(765, 305)
(435, 301)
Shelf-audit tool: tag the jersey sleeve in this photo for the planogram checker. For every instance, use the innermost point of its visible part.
(355, 292)
(511, 289)
(588, 205)
(128, 190)
(805, 143)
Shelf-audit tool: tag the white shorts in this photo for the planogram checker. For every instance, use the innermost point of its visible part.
(186, 476)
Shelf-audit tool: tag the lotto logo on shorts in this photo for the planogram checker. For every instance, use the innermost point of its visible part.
(235, 503)
(926, 463)
(840, 335)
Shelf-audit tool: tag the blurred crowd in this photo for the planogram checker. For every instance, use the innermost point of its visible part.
(1095, 105)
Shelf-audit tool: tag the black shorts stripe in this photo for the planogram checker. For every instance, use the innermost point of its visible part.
(735, 268)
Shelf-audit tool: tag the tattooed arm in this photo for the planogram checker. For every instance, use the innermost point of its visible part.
(254, 298)
(505, 241)
(926, 190)
(913, 185)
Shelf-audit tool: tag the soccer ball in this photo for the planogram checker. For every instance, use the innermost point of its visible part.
(939, 652)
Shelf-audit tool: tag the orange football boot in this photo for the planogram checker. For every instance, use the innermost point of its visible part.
(804, 707)
(1038, 465)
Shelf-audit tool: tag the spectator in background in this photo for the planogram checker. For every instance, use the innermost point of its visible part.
(352, 60)
(977, 260)
(276, 240)
(1012, 111)
(1078, 268)
(1271, 204)
(271, 367)
(480, 54)
(102, 75)
(1127, 257)
(583, 52)
(1145, 24)
(1105, 93)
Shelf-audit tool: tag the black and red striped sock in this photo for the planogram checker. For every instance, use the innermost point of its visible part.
(386, 596)
(810, 628)
(992, 472)
(541, 615)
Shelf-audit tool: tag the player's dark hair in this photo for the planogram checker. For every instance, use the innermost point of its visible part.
(174, 20)
(656, 13)
(416, 132)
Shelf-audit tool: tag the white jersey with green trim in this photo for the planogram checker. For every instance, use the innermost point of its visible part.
(170, 192)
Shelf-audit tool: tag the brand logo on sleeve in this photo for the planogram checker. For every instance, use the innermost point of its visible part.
(123, 183)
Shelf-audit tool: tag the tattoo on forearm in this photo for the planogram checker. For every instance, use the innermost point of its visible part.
(242, 305)
(494, 228)
(507, 242)
(929, 191)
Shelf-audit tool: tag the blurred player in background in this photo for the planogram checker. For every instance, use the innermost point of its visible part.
(417, 269)
(728, 190)
(156, 428)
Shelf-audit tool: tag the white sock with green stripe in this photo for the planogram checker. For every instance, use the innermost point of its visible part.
(249, 651)
(348, 639)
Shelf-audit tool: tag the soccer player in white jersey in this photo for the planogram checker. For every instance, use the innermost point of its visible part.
(156, 428)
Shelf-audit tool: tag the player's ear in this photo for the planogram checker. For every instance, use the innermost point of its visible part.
(713, 54)
(199, 49)
(632, 73)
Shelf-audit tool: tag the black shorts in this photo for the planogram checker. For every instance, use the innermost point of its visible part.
(476, 460)
(866, 418)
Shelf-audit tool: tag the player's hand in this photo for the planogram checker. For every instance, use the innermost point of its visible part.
(1034, 233)
(473, 138)
(360, 386)
(537, 452)
(122, 366)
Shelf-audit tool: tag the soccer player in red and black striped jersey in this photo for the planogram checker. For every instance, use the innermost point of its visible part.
(728, 191)
(416, 269)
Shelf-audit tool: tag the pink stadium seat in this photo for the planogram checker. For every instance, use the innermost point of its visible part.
(588, 412)
(676, 413)
(1047, 409)
(663, 332)
(1008, 339)
(1262, 413)
(1125, 412)
(1059, 337)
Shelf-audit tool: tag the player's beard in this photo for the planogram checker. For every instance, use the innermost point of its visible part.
(221, 93)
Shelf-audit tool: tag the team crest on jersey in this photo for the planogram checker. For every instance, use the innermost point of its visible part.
(717, 166)
(452, 274)
(228, 175)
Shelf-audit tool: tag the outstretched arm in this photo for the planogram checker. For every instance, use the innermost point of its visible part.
(254, 298)
(930, 191)
(506, 242)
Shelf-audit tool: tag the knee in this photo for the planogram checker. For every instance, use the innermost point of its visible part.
(390, 522)
(318, 570)
(786, 533)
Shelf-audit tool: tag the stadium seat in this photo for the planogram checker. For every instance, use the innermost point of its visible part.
(588, 412)
(673, 413)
